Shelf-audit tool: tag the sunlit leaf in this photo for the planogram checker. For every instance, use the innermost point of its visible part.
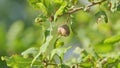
(31, 51)
(118, 65)
(46, 44)
(58, 1)
(86, 64)
(83, 53)
(103, 48)
(42, 8)
(112, 62)
(59, 44)
(73, 2)
(59, 51)
(33, 3)
(113, 39)
(61, 9)
(17, 61)
(42, 48)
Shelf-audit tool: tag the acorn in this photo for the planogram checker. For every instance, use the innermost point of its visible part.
(64, 30)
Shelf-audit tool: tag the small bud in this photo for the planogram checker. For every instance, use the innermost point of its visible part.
(109, 6)
(38, 20)
(64, 30)
(51, 18)
(44, 63)
(73, 66)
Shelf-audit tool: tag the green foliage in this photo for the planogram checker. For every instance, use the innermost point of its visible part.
(59, 51)
(31, 51)
(48, 46)
(102, 15)
(112, 40)
(61, 9)
(118, 7)
(103, 48)
(43, 48)
(42, 7)
(17, 61)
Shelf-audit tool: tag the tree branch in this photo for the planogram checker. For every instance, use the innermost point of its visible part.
(81, 8)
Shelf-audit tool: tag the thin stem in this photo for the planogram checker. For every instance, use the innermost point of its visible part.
(75, 10)
(77, 65)
(68, 18)
(81, 8)
(60, 59)
(52, 64)
(56, 41)
(51, 28)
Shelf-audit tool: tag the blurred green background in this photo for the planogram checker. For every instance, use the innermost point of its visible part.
(16, 27)
(17, 32)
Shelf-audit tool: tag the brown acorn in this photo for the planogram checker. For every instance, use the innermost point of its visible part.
(64, 30)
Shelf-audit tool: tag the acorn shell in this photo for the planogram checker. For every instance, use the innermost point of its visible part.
(64, 30)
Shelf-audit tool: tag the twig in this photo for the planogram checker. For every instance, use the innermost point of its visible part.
(74, 10)
(44, 62)
(77, 65)
(52, 64)
(81, 8)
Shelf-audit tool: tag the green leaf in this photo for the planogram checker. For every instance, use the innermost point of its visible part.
(17, 61)
(59, 51)
(118, 7)
(72, 2)
(59, 44)
(86, 65)
(42, 48)
(111, 62)
(13, 34)
(113, 39)
(75, 2)
(31, 51)
(102, 14)
(118, 65)
(2, 37)
(60, 10)
(103, 48)
(87, 61)
(33, 3)
(42, 8)
(46, 44)
(83, 53)
(58, 1)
